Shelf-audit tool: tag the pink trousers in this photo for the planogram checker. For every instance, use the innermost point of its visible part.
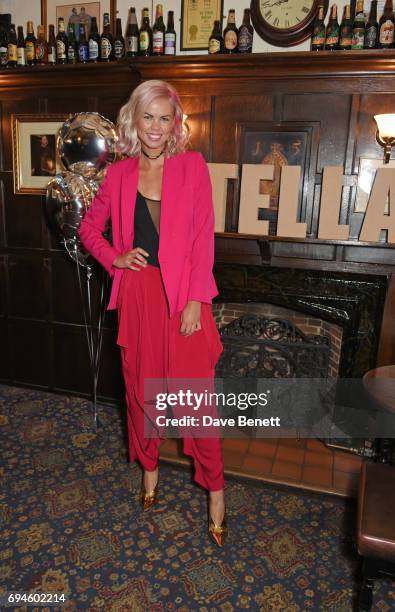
(152, 347)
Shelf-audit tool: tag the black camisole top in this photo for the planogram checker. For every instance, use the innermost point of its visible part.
(146, 227)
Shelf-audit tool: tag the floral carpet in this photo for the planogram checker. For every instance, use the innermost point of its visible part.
(71, 523)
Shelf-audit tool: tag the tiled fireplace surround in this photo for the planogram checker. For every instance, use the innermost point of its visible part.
(345, 307)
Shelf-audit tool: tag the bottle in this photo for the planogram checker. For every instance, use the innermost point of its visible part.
(12, 47)
(94, 42)
(170, 35)
(145, 36)
(83, 47)
(372, 28)
(246, 34)
(106, 41)
(230, 33)
(119, 41)
(386, 27)
(51, 45)
(332, 31)
(41, 46)
(216, 41)
(20, 51)
(3, 47)
(346, 30)
(61, 43)
(30, 45)
(158, 32)
(72, 50)
(132, 34)
(318, 38)
(358, 28)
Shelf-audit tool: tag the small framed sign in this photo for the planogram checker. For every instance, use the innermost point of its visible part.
(197, 21)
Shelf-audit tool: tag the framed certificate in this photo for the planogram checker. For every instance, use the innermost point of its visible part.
(197, 21)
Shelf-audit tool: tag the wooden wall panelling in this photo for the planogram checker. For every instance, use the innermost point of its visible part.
(23, 103)
(71, 359)
(24, 220)
(29, 351)
(28, 286)
(200, 118)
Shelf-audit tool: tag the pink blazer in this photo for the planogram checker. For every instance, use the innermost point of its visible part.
(186, 241)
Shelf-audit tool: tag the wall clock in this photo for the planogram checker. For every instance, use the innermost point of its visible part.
(284, 23)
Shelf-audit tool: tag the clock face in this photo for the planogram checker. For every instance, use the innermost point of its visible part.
(285, 23)
(284, 14)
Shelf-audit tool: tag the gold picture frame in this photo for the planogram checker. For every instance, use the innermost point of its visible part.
(35, 159)
(51, 10)
(197, 21)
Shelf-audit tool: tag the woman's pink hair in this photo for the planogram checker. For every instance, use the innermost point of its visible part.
(130, 113)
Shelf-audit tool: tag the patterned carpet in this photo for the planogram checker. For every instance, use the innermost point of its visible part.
(71, 523)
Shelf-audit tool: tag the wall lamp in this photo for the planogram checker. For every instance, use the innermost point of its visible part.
(385, 134)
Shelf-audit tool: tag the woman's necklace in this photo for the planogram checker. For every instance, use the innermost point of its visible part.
(149, 156)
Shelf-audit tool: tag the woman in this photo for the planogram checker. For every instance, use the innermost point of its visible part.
(162, 287)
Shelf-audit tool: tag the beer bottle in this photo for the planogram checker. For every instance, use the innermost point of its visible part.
(20, 51)
(145, 36)
(318, 38)
(51, 45)
(3, 47)
(216, 41)
(158, 32)
(61, 43)
(170, 35)
(372, 28)
(12, 47)
(132, 34)
(30, 45)
(358, 28)
(246, 34)
(41, 46)
(106, 41)
(72, 51)
(119, 41)
(332, 31)
(346, 30)
(94, 42)
(386, 27)
(83, 46)
(230, 33)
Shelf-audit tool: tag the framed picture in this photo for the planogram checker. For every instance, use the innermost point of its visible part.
(281, 144)
(197, 21)
(35, 159)
(76, 12)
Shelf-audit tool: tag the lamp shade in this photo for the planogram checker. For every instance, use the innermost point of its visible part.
(386, 125)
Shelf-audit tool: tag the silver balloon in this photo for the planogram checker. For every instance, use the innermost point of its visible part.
(86, 143)
(68, 198)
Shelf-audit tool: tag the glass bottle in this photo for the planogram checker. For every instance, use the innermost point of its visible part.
(30, 45)
(132, 34)
(246, 34)
(358, 28)
(106, 41)
(216, 41)
(3, 47)
(158, 32)
(51, 45)
(318, 37)
(41, 46)
(346, 30)
(386, 27)
(231, 33)
(20, 51)
(72, 51)
(94, 42)
(61, 43)
(83, 47)
(170, 35)
(372, 28)
(119, 41)
(332, 31)
(12, 47)
(145, 36)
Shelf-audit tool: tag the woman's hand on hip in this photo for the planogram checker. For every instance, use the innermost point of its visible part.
(134, 259)
(190, 318)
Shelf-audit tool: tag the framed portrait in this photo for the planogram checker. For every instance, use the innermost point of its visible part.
(197, 22)
(35, 159)
(366, 175)
(281, 144)
(76, 12)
